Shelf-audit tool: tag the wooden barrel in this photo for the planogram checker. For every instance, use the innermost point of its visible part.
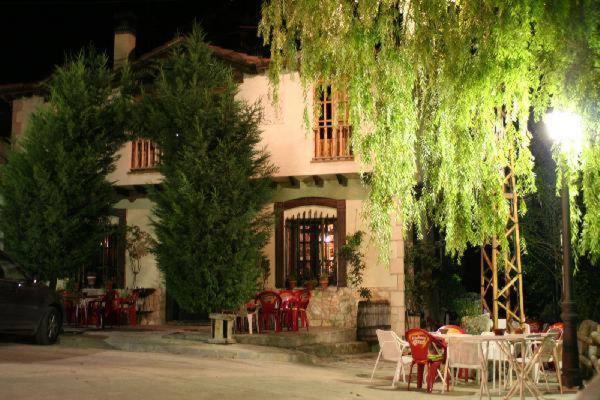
(372, 315)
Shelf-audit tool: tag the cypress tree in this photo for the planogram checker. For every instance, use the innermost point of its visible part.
(56, 200)
(209, 215)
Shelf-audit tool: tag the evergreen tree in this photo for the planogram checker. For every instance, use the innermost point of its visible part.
(210, 217)
(55, 196)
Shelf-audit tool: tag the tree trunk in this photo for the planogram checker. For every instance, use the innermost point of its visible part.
(52, 284)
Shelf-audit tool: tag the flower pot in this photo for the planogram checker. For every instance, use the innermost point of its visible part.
(324, 283)
(291, 284)
(91, 280)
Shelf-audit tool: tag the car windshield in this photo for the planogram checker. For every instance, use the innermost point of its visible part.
(8, 270)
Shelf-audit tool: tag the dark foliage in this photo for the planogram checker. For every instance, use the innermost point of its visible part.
(55, 197)
(210, 218)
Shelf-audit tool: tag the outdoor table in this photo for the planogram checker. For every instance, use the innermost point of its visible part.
(505, 343)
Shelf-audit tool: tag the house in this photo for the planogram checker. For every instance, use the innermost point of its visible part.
(317, 202)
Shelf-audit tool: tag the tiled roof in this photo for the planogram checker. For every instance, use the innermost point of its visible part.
(240, 61)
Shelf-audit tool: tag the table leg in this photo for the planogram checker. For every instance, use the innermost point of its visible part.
(522, 369)
(484, 371)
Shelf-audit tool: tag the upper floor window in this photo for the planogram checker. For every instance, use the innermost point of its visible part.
(144, 154)
(332, 128)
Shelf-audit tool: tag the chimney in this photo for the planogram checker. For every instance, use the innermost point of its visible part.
(124, 39)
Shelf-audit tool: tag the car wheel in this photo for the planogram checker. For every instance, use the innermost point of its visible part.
(49, 328)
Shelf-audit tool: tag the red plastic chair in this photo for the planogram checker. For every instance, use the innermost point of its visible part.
(303, 300)
(270, 302)
(70, 305)
(420, 342)
(288, 308)
(102, 310)
(126, 309)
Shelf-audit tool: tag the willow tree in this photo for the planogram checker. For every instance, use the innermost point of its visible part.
(440, 93)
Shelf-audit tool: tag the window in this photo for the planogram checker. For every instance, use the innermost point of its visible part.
(144, 155)
(321, 224)
(332, 128)
(108, 262)
(311, 245)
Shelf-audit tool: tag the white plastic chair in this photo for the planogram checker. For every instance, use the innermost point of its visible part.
(551, 351)
(463, 354)
(391, 348)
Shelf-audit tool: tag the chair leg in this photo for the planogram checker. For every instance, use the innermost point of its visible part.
(403, 372)
(375, 367)
(545, 376)
(396, 374)
(557, 368)
(410, 375)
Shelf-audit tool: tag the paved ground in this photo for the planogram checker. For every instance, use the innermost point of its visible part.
(85, 367)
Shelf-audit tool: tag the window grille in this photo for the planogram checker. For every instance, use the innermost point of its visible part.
(311, 246)
(144, 154)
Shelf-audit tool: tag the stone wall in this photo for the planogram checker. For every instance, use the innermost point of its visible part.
(338, 307)
(156, 303)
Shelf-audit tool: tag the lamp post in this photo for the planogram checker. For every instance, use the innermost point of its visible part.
(565, 130)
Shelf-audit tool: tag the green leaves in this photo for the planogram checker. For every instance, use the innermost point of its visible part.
(440, 93)
(210, 219)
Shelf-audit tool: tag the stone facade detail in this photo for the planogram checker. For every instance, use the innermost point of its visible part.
(337, 307)
(156, 303)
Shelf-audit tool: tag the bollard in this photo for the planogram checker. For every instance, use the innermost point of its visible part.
(221, 328)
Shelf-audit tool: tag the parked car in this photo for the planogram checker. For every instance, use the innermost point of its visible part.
(27, 306)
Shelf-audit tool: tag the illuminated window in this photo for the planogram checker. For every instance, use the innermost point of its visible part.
(332, 128)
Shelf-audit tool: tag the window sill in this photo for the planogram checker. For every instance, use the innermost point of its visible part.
(332, 159)
(142, 171)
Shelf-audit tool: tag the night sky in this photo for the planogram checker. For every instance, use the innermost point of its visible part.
(35, 35)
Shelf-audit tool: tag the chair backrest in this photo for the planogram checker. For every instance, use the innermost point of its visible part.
(419, 341)
(464, 353)
(549, 344)
(303, 298)
(390, 345)
(452, 329)
(288, 298)
(269, 301)
(557, 327)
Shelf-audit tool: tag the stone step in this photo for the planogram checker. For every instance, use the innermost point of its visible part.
(300, 338)
(335, 349)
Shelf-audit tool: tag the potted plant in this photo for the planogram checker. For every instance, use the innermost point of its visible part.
(265, 269)
(351, 253)
(138, 244)
(311, 284)
(324, 280)
(292, 280)
(91, 278)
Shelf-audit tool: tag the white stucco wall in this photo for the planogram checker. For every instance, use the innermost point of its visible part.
(284, 132)
(138, 214)
(22, 109)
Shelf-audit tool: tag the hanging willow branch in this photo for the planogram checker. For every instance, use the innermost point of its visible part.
(440, 94)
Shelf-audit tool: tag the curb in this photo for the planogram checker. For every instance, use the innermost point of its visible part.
(232, 352)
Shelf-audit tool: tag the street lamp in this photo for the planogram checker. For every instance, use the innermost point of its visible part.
(565, 128)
